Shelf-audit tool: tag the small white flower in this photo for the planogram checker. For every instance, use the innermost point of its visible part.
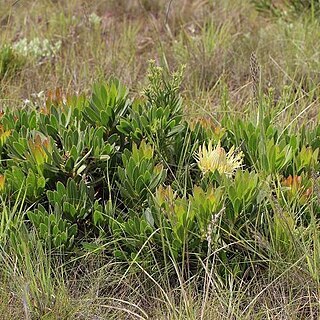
(94, 19)
(37, 48)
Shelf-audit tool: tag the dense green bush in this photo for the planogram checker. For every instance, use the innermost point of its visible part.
(147, 182)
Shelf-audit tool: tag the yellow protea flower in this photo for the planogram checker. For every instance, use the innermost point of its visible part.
(211, 158)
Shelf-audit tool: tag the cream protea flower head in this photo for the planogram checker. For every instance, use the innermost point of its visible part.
(210, 159)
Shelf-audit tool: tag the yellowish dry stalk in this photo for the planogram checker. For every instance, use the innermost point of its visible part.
(255, 77)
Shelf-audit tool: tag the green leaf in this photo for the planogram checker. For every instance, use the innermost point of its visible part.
(149, 217)
(43, 230)
(97, 218)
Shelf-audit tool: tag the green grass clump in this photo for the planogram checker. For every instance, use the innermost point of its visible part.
(10, 61)
(278, 8)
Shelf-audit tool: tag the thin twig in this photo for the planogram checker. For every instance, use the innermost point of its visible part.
(167, 12)
(15, 3)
